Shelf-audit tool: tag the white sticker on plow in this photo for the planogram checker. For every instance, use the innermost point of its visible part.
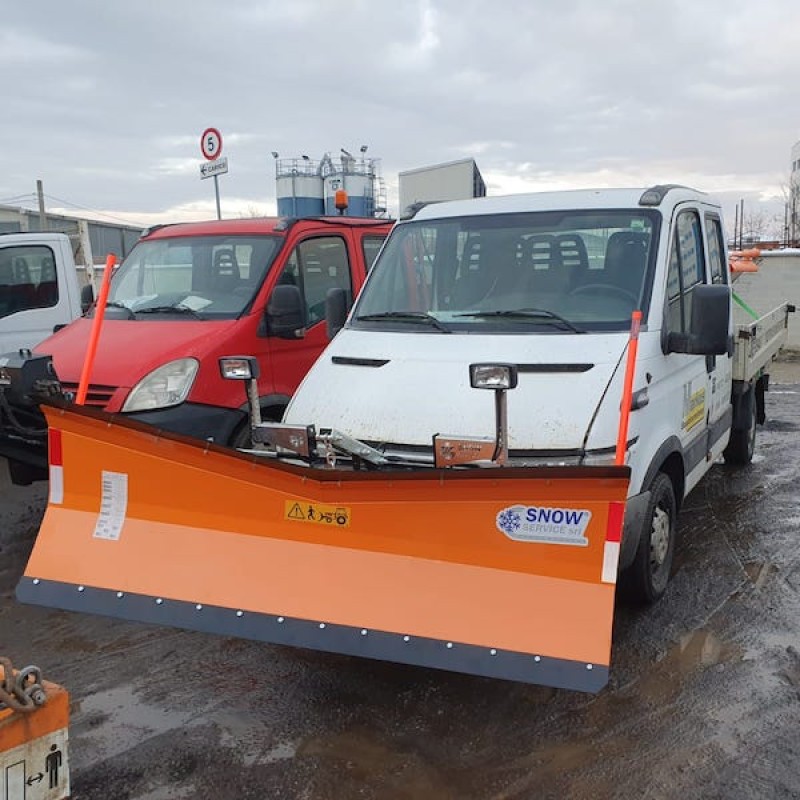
(547, 525)
(113, 506)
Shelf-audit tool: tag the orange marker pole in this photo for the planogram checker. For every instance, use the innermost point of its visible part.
(94, 334)
(627, 391)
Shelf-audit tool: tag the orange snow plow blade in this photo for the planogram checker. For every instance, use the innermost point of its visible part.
(504, 572)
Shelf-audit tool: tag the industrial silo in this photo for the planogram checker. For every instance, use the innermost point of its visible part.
(307, 187)
(357, 178)
(299, 187)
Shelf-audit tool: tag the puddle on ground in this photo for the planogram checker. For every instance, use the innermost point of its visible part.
(575, 761)
(249, 738)
(760, 572)
(281, 752)
(701, 649)
(694, 652)
(114, 721)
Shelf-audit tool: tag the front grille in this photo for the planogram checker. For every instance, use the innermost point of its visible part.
(97, 395)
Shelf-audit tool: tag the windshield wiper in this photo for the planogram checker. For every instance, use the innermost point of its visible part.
(115, 304)
(176, 309)
(527, 313)
(405, 316)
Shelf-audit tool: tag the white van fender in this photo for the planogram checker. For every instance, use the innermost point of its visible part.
(669, 454)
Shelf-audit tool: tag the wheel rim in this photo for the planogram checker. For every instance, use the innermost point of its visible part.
(659, 539)
(751, 434)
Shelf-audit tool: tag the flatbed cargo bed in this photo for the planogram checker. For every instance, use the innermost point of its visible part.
(757, 343)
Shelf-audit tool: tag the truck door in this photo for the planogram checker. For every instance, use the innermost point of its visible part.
(315, 265)
(31, 303)
(720, 368)
(691, 376)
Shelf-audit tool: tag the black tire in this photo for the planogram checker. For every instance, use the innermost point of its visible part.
(742, 444)
(645, 581)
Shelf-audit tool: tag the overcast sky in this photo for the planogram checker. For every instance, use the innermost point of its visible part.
(105, 101)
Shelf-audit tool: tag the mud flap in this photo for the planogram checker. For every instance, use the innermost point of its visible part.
(502, 572)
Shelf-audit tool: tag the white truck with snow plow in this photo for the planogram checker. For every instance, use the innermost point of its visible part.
(399, 513)
(547, 283)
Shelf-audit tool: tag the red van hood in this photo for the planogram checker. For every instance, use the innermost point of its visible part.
(129, 349)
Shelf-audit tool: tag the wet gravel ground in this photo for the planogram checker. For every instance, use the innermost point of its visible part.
(704, 699)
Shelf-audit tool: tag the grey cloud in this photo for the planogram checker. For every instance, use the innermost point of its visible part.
(109, 100)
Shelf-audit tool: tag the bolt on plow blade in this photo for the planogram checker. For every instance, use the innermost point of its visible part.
(502, 572)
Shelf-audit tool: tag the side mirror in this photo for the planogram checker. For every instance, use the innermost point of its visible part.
(87, 297)
(709, 326)
(284, 315)
(335, 310)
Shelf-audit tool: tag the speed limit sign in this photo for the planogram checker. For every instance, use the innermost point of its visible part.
(211, 143)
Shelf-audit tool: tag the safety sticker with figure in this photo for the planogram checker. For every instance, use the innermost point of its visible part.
(36, 770)
(303, 511)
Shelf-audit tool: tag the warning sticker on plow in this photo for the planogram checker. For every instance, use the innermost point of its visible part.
(418, 566)
(302, 511)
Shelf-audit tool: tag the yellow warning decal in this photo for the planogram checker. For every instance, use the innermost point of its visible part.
(694, 407)
(302, 511)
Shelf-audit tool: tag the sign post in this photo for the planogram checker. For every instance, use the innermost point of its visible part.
(211, 147)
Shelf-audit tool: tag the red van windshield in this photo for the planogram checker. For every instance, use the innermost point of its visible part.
(208, 276)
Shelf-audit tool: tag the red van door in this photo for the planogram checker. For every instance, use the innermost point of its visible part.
(316, 264)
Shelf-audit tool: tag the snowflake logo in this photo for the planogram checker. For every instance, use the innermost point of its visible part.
(509, 520)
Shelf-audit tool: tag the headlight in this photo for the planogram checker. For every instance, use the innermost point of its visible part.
(163, 387)
(493, 376)
(239, 368)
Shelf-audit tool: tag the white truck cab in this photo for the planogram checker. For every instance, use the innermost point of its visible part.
(39, 289)
(547, 283)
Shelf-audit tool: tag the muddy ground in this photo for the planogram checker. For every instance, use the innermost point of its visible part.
(704, 699)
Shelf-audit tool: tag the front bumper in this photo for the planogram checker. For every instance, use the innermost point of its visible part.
(212, 423)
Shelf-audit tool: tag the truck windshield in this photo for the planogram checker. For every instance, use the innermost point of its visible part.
(198, 277)
(556, 272)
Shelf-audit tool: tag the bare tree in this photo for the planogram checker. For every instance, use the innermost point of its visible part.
(784, 225)
(754, 225)
(252, 211)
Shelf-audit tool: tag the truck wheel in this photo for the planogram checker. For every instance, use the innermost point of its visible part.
(646, 579)
(742, 444)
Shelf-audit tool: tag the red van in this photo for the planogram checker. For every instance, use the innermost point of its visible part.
(190, 293)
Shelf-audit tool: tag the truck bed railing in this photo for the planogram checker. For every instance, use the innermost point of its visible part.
(758, 342)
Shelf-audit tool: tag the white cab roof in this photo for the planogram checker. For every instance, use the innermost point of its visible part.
(560, 201)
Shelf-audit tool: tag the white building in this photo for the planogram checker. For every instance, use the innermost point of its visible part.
(456, 180)
(794, 196)
(91, 240)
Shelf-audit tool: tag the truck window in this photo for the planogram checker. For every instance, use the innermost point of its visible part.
(27, 279)
(510, 271)
(316, 266)
(686, 269)
(370, 246)
(716, 250)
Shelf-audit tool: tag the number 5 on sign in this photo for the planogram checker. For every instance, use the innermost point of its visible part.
(211, 143)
